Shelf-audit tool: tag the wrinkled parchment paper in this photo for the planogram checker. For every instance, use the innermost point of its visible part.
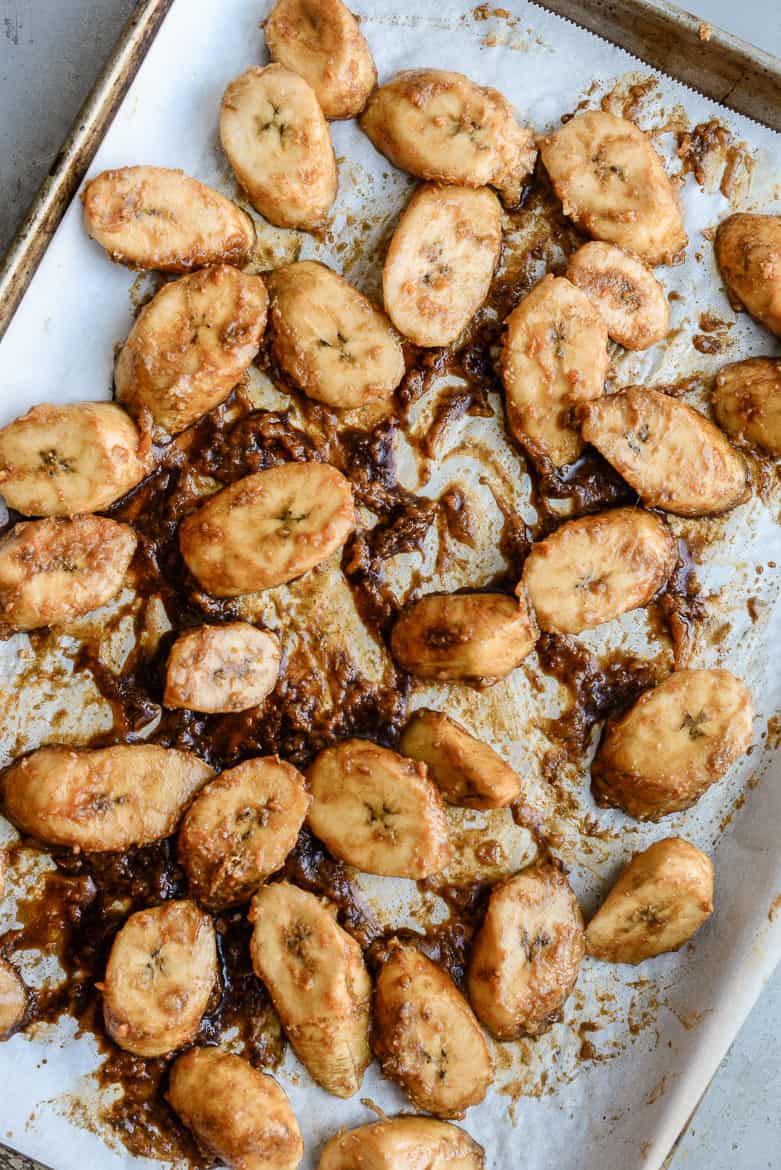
(613, 1083)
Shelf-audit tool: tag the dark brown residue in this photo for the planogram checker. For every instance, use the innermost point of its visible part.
(709, 144)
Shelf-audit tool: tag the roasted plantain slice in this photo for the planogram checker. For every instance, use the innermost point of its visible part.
(672, 456)
(440, 262)
(330, 340)
(378, 811)
(268, 528)
(236, 1112)
(624, 291)
(527, 954)
(277, 141)
(403, 1143)
(322, 41)
(154, 217)
(426, 1036)
(675, 741)
(239, 830)
(231, 667)
(442, 126)
(554, 357)
(748, 253)
(61, 460)
(661, 899)
(190, 346)
(747, 403)
(466, 771)
(477, 637)
(593, 569)
(316, 977)
(52, 571)
(613, 184)
(161, 972)
(102, 799)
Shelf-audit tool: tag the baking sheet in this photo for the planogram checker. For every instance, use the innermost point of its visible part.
(591, 1097)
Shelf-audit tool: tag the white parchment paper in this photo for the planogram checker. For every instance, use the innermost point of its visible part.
(616, 1093)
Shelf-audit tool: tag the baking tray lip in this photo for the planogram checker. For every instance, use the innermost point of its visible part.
(37, 229)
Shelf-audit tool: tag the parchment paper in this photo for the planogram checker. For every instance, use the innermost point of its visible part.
(596, 1098)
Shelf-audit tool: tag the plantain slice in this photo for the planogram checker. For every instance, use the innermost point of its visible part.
(322, 41)
(748, 253)
(661, 899)
(625, 292)
(442, 126)
(332, 342)
(102, 799)
(154, 217)
(440, 262)
(229, 668)
(277, 141)
(593, 569)
(675, 741)
(378, 811)
(554, 357)
(671, 455)
(61, 460)
(466, 771)
(613, 184)
(473, 637)
(160, 975)
(190, 346)
(239, 830)
(315, 974)
(268, 528)
(426, 1036)
(235, 1111)
(52, 571)
(527, 954)
(403, 1143)
(747, 403)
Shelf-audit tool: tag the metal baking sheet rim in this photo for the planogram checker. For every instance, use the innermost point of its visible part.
(718, 64)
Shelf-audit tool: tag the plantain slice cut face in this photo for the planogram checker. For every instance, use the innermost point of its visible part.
(442, 126)
(673, 457)
(426, 1036)
(190, 346)
(593, 569)
(61, 460)
(660, 900)
(441, 261)
(330, 340)
(154, 217)
(747, 403)
(322, 41)
(469, 637)
(403, 1143)
(554, 357)
(675, 741)
(624, 291)
(239, 830)
(378, 811)
(102, 799)
(235, 1111)
(748, 253)
(277, 141)
(315, 975)
(161, 972)
(267, 528)
(53, 571)
(465, 770)
(613, 184)
(527, 954)
(226, 668)
(13, 1000)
